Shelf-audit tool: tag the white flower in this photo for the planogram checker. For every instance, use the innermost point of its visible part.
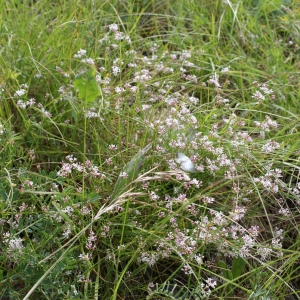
(20, 93)
(80, 53)
(89, 61)
(258, 96)
(123, 175)
(185, 163)
(225, 70)
(113, 27)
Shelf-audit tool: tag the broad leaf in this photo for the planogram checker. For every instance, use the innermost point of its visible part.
(87, 86)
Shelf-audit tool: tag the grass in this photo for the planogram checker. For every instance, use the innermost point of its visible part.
(97, 100)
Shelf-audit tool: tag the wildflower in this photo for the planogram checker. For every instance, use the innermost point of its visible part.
(31, 154)
(80, 53)
(109, 161)
(89, 61)
(68, 210)
(145, 107)
(81, 278)
(133, 89)
(28, 183)
(270, 122)
(38, 75)
(90, 243)
(75, 292)
(123, 175)
(65, 170)
(127, 39)
(161, 214)
(276, 243)
(211, 165)
(182, 198)
(198, 258)
(119, 90)
(254, 231)
(173, 222)
(200, 168)
(284, 211)
(115, 70)
(220, 100)
(113, 27)
(119, 36)
(168, 70)
(219, 218)
(142, 76)
(214, 79)
(195, 182)
(208, 200)
(258, 96)
(225, 70)
(238, 213)
(193, 120)
(248, 240)
(244, 252)
(86, 257)
(132, 65)
(23, 207)
(2, 128)
(91, 114)
(278, 232)
(153, 196)
(270, 146)
(265, 125)
(67, 232)
(211, 282)
(264, 88)
(46, 113)
(187, 270)
(113, 147)
(263, 252)
(20, 93)
(101, 41)
(85, 211)
(185, 54)
(15, 245)
(30, 102)
(189, 64)
(21, 104)
(149, 258)
(173, 56)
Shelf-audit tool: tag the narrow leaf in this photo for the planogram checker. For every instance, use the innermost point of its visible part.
(132, 170)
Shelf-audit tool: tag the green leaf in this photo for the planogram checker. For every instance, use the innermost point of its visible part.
(269, 6)
(226, 273)
(238, 265)
(87, 86)
(132, 169)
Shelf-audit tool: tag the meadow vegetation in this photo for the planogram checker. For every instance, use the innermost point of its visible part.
(101, 105)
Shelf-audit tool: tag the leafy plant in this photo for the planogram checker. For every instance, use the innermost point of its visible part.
(87, 85)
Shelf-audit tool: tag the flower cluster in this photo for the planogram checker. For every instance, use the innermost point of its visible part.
(14, 246)
(88, 168)
(2, 130)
